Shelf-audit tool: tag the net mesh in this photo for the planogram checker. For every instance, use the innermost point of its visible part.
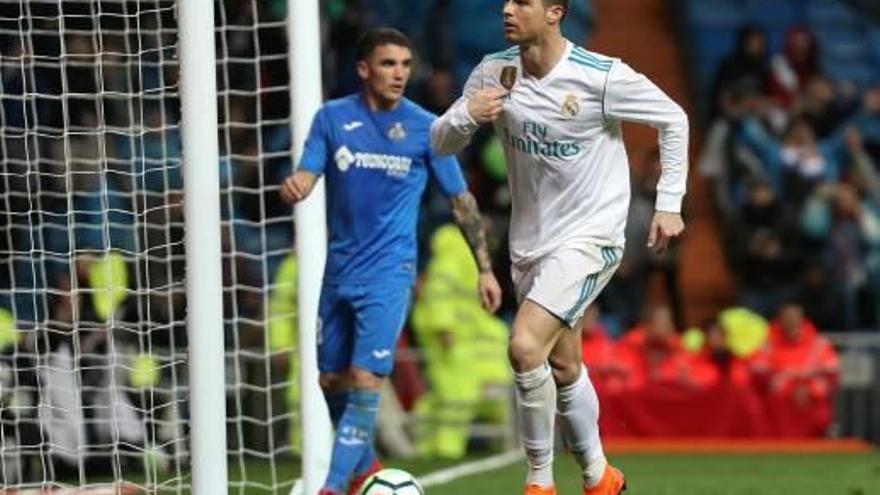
(93, 377)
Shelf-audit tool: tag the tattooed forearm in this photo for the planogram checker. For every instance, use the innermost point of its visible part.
(467, 216)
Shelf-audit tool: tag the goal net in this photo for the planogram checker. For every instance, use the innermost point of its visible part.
(94, 389)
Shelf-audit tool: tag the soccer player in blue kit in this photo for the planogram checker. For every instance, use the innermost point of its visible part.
(374, 150)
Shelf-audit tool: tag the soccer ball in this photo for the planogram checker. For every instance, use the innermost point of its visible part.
(391, 482)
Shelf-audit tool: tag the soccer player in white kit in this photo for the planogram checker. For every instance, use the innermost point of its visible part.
(557, 108)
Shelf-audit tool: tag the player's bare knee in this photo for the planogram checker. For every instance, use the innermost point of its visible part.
(362, 379)
(334, 381)
(524, 352)
(565, 371)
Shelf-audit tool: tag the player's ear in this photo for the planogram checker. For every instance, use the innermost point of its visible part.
(363, 69)
(553, 14)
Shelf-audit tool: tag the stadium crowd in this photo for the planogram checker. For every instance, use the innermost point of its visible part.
(792, 155)
(741, 376)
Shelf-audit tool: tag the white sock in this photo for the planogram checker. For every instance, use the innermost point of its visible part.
(579, 410)
(536, 407)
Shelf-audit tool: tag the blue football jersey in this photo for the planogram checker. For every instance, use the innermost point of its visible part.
(376, 165)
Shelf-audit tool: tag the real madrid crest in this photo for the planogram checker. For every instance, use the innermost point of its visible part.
(397, 132)
(570, 107)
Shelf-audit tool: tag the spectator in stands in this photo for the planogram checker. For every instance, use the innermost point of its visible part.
(745, 66)
(721, 159)
(855, 230)
(865, 172)
(17, 114)
(260, 228)
(796, 164)
(80, 78)
(662, 360)
(817, 293)
(348, 20)
(745, 332)
(718, 362)
(841, 222)
(825, 107)
(612, 367)
(76, 341)
(849, 225)
(152, 160)
(804, 163)
(162, 299)
(438, 90)
(793, 69)
(77, 173)
(20, 405)
(798, 371)
(866, 178)
(870, 126)
(765, 250)
(116, 79)
(240, 44)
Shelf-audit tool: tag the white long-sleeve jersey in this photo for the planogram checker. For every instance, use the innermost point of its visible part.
(567, 165)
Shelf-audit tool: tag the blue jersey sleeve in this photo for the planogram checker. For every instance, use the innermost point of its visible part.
(314, 157)
(447, 172)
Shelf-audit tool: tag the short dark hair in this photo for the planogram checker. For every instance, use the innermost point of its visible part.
(377, 37)
(564, 3)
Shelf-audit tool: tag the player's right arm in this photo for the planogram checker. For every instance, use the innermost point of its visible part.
(477, 106)
(297, 186)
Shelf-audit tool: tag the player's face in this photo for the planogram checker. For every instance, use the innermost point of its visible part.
(386, 72)
(526, 21)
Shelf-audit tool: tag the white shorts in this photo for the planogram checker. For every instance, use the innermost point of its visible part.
(567, 280)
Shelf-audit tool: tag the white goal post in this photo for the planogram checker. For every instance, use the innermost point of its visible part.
(204, 270)
(146, 327)
(311, 241)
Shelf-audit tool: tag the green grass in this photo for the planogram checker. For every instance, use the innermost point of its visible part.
(675, 474)
(256, 479)
(703, 475)
(843, 474)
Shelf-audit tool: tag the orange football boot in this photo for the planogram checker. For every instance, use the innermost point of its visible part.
(533, 489)
(613, 483)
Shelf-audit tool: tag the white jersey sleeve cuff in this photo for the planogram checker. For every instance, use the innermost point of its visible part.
(669, 202)
(462, 120)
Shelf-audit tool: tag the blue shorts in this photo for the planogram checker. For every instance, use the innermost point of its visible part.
(358, 325)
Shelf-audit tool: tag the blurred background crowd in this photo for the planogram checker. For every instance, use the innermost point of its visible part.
(786, 104)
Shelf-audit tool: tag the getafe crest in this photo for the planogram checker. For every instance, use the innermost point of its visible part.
(397, 132)
(570, 107)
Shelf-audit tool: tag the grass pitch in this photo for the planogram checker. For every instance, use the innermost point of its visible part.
(655, 474)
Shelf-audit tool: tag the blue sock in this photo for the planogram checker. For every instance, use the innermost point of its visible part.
(367, 460)
(354, 436)
(336, 402)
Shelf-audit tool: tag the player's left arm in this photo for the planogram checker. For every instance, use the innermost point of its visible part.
(631, 96)
(446, 170)
(467, 216)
